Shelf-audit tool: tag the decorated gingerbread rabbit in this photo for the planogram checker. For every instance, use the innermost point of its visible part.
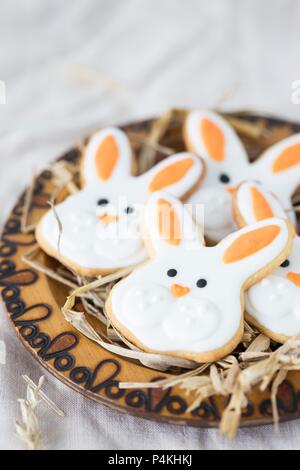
(188, 300)
(278, 169)
(101, 223)
(273, 305)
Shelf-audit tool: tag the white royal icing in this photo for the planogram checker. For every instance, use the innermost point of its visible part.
(217, 218)
(89, 242)
(274, 302)
(204, 319)
(218, 215)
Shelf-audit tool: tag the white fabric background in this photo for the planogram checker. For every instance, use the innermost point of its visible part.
(75, 65)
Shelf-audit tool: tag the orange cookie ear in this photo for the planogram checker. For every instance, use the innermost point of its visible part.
(256, 250)
(178, 174)
(107, 155)
(250, 243)
(287, 159)
(168, 222)
(213, 139)
(261, 207)
(253, 203)
(171, 174)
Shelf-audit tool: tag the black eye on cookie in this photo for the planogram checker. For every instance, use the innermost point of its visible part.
(102, 202)
(201, 283)
(129, 210)
(285, 264)
(172, 272)
(224, 178)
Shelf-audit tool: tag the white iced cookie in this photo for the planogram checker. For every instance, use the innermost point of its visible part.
(101, 223)
(188, 300)
(278, 169)
(273, 304)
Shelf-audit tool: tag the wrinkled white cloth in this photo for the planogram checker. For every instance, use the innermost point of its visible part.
(73, 66)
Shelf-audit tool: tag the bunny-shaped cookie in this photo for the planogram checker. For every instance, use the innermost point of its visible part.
(210, 136)
(273, 304)
(188, 300)
(101, 223)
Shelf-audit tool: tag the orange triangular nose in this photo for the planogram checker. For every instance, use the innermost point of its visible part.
(231, 189)
(295, 278)
(179, 291)
(108, 219)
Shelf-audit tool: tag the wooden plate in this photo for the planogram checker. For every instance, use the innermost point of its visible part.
(33, 304)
